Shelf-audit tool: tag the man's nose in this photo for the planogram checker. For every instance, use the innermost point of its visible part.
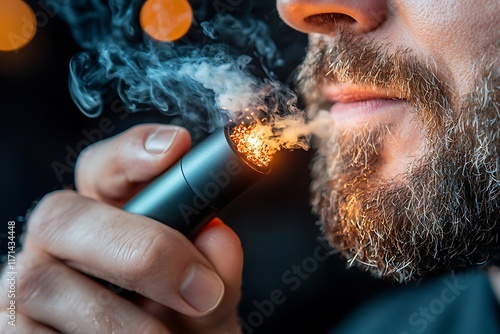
(330, 16)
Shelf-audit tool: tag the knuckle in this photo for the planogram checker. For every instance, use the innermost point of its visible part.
(52, 210)
(48, 208)
(132, 167)
(140, 256)
(86, 153)
(82, 164)
(120, 154)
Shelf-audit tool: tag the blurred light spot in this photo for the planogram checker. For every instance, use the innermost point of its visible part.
(17, 24)
(166, 20)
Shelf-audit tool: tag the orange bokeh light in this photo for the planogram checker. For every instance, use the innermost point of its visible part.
(17, 24)
(166, 20)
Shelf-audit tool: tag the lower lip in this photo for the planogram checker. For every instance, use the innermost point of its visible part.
(366, 111)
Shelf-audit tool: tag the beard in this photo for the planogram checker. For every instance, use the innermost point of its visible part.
(441, 214)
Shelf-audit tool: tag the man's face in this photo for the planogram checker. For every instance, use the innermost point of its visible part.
(409, 183)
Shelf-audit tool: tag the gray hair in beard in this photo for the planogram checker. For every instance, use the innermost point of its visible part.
(439, 216)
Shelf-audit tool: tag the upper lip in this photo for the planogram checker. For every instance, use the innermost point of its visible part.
(345, 93)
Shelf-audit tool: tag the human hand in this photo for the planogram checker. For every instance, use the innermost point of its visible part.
(182, 286)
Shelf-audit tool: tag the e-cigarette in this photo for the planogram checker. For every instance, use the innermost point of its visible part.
(208, 178)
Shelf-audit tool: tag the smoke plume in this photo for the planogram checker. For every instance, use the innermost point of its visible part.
(225, 67)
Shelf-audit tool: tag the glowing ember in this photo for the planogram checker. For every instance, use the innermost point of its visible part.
(260, 138)
(252, 143)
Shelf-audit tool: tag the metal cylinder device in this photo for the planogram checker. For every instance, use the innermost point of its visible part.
(208, 178)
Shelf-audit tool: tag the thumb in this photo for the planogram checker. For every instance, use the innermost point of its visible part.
(115, 169)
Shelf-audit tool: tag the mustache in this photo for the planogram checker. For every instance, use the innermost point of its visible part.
(355, 60)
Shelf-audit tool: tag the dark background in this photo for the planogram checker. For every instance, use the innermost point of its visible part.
(40, 126)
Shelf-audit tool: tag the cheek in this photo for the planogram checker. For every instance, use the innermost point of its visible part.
(454, 35)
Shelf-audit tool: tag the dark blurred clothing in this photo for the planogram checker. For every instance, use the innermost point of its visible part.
(460, 304)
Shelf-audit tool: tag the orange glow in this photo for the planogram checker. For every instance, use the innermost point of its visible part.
(17, 24)
(252, 144)
(166, 20)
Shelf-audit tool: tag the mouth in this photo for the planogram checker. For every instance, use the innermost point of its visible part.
(351, 105)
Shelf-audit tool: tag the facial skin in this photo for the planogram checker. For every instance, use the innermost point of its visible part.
(409, 182)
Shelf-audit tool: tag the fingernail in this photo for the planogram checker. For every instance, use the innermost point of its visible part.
(202, 288)
(159, 141)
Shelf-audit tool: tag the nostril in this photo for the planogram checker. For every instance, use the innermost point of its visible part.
(329, 20)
